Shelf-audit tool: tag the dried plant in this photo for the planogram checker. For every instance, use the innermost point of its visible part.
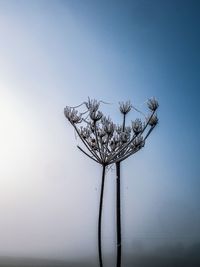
(107, 143)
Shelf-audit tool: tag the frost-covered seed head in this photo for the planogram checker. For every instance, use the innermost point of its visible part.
(109, 128)
(72, 115)
(123, 137)
(125, 107)
(85, 132)
(96, 115)
(137, 126)
(107, 142)
(92, 105)
(152, 104)
(138, 142)
(153, 121)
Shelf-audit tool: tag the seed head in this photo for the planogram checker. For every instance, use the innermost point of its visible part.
(152, 104)
(137, 126)
(125, 107)
(92, 105)
(109, 128)
(138, 142)
(153, 121)
(72, 115)
(85, 132)
(123, 137)
(101, 133)
(106, 142)
(96, 115)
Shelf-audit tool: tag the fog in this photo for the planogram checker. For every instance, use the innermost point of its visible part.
(57, 53)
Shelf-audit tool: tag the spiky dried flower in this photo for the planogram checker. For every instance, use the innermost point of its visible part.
(125, 107)
(92, 105)
(153, 120)
(127, 129)
(96, 115)
(85, 132)
(109, 128)
(101, 133)
(139, 142)
(152, 104)
(137, 126)
(119, 129)
(72, 115)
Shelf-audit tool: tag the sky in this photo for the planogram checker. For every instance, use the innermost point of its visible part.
(57, 53)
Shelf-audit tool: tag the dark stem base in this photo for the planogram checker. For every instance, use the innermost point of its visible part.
(100, 217)
(118, 209)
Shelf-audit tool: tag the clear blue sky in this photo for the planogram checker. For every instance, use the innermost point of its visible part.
(57, 53)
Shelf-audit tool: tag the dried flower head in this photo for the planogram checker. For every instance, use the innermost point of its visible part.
(85, 132)
(101, 133)
(137, 126)
(119, 129)
(152, 104)
(125, 107)
(96, 115)
(72, 115)
(153, 120)
(138, 142)
(124, 137)
(92, 105)
(109, 128)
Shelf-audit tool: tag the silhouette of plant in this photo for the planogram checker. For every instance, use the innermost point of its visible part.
(107, 143)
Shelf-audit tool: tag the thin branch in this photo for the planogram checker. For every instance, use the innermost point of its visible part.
(95, 130)
(125, 156)
(86, 144)
(106, 146)
(132, 139)
(139, 111)
(150, 130)
(78, 105)
(124, 122)
(87, 154)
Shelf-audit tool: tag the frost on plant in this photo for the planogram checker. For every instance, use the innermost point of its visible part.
(103, 140)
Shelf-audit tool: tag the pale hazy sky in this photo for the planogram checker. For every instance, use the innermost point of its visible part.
(57, 53)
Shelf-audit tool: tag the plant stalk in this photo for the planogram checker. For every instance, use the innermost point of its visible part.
(100, 217)
(118, 205)
(118, 211)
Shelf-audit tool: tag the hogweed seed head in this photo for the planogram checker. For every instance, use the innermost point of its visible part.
(85, 132)
(92, 105)
(152, 104)
(107, 142)
(96, 115)
(153, 121)
(109, 128)
(125, 107)
(72, 115)
(124, 137)
(138, 142)
(137, 126)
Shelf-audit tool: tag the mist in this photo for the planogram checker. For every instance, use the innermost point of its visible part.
(57, 53)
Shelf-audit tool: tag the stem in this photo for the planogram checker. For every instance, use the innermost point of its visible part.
(95, 130)
(100, 217)
(118, 205)
(124, 121)
(86, 154)
(118, 208)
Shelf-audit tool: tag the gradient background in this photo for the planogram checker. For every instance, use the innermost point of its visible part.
(57, 53)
